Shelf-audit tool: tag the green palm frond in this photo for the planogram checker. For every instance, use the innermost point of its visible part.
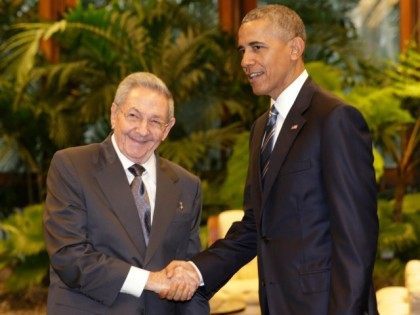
(378, 164)
(182, 62)
(23, 248)
(406, 73)
(381, 106)
(61, 122)
(388, 273)
(98, 103)
(397, 236)
(188, 150)
(21, 50)
(411, 204)
(58, 76)
(394, 236)
(9, 156)
(231, 192)
(28, 274)
(327, 76)
(23, 233)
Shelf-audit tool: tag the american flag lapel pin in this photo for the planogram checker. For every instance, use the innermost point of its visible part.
(294, 127)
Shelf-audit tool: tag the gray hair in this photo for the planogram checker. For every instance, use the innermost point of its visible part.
(283, 18)
(145, 80)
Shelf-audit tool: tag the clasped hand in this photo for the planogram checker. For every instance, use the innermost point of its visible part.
(177, 281)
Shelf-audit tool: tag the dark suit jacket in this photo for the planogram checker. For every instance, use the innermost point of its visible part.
(314, 227)
(93, 234)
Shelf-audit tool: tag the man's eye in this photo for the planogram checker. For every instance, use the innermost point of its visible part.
(241, 51)
(155, 122)
(256, 47)
(132, 116)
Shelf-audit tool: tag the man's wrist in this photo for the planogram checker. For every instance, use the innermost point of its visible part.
(198, 273)
(135, 281)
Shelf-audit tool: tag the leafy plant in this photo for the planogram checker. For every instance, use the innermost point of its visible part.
(388, 273)
(394, 236)
(402, 141)
(231, 192)
(399, 242)
(395, 129)
(22, 249)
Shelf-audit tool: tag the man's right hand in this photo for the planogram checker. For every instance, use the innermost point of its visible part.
(178, 281)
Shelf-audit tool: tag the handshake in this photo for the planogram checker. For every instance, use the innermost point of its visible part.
(178, 281)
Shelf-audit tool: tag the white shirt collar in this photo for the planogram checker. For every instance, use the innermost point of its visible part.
(149, 165)
(285, 100)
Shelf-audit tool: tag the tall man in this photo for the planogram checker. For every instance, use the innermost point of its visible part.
(115, 210)
(310, 195)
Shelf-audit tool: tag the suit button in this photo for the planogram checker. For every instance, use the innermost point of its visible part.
(263, 283)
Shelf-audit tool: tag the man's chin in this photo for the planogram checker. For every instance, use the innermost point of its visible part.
(139, 157)
(258, 91)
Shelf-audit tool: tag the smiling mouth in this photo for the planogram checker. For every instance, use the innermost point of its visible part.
(254, 75)
(139, 141)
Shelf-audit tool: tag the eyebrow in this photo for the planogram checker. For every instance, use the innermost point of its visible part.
(153, 115)
(251, 44)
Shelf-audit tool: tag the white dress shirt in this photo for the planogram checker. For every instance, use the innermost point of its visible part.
(136, 278)
(285, 100)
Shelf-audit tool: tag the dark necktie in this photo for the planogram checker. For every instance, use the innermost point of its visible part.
(268, 141)
(141, 199)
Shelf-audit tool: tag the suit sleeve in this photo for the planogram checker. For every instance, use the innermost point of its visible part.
(194, 244)
(78, 264)
(226, 256)
(349, 181)
(199, 304)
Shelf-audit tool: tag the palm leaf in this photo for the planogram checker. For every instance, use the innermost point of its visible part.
(190, 149)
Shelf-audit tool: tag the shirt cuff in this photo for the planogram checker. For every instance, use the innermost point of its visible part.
(135, 282)
(198, 272)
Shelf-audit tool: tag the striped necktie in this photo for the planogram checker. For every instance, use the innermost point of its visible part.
(268, 141)
(141, 199)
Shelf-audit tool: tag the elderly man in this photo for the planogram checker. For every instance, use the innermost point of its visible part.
(116, 211)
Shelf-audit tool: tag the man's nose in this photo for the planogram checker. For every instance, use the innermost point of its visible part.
(142, 127)
(247, 60)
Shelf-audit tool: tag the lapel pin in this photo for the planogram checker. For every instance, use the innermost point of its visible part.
(181, 206)
(294, 127)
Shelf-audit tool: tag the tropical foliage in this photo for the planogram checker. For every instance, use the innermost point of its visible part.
(22, 249)
(399, 242)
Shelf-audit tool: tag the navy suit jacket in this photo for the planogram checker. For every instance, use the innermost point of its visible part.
(93, 233)
(314, 227)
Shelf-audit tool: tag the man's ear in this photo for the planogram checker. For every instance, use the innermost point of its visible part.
(297, 47)
(168, 128)
(113, 114)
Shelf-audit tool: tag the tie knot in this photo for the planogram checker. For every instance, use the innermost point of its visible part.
(136, 169)
(273, 111)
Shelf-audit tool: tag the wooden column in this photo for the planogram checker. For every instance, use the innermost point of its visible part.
(247, 5)
(52, 10)
(231, 13)
(409, 22)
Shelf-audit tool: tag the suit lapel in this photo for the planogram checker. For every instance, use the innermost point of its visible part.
(258, 134)
(111, 175)
(291, 127)
(167, 198)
